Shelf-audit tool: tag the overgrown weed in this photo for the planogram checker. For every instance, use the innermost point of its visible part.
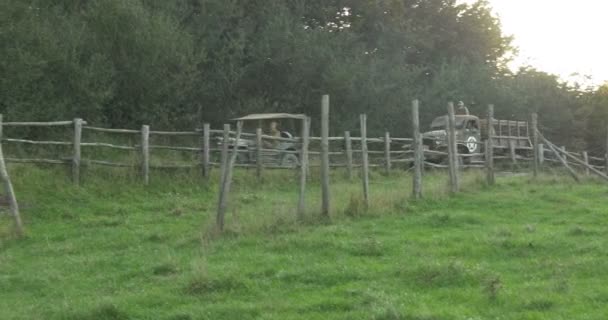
(356, 206)
(492, 287)
(369, 247)
(106, 311)
(454, 273)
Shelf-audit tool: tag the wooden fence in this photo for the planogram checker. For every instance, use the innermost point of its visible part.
(227, 149)
(346, 151)
(343, 151)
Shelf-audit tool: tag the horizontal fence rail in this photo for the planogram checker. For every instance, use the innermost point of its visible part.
(107, 130)
(38, 124)
(60, 143)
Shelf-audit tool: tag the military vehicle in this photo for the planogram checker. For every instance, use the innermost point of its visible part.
(468, 137)
(278, 150)
(470, 133)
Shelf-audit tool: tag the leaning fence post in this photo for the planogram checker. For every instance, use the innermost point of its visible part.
(418, 151)
(325, 209)
(145, 154)
(561, 159)
(535, 146)
(583, 163)
(8, 188)
(76, 158)
(227, 179)
(387, 153)
(348, 149)
(364, 159)
(206, 157)
(303, 167)
(452, 149)
(490, 147)
(258, 154)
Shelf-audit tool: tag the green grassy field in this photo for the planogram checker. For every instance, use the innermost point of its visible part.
(116, 250)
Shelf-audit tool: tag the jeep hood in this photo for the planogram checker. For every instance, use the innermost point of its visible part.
(233, 142)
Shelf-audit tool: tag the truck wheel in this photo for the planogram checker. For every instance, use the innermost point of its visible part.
(463, 160)
(290, 161)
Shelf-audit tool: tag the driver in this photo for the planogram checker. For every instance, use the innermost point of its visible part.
(462, 109)
(273, 132)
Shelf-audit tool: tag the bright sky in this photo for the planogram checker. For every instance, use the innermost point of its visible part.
(558, 36)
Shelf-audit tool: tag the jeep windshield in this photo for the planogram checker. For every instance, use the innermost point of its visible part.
(441, 123)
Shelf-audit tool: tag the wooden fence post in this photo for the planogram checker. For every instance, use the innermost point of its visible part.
(561, 159)
(227, 179)
(518, 133)
(535, 146)
(303, 167)
(206, 157)
(325, 209)
(76, 158)
(8, 188)
(258, 154)
(500, 136)
(586, 159)
(541, 154)
(224, 154)
(145, 153)
(387, 153)
(364, 160)
(512, 152)
(418, 151)
(348, 149)
(452, 149)
(490, 147)
(579, 161)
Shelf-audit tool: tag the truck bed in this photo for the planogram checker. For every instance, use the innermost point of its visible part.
(505, 131)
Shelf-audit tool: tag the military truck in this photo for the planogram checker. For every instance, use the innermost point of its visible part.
(470, 133)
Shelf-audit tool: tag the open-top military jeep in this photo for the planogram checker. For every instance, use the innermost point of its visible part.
(278, 148)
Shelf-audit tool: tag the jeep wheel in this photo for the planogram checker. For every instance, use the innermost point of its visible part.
(290, 161)
(242, 158)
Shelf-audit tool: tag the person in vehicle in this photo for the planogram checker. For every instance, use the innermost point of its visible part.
(462, 109)
(273, 132)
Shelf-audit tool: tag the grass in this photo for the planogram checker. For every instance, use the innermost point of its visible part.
(116, 250)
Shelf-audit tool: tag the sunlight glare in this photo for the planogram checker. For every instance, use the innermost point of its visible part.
(558, 36)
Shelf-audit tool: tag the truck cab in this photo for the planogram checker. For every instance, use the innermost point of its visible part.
(468, 136)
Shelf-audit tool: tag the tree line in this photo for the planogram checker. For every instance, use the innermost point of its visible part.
(175, 64)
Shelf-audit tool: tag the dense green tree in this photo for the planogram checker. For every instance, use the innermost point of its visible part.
(106, 61)
(173, 64)
(593, 119)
